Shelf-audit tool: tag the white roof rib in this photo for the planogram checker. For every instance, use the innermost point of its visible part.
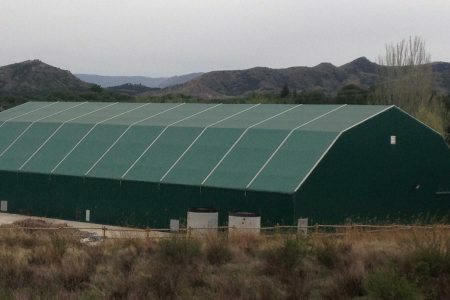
(242, 135)
(161, 133)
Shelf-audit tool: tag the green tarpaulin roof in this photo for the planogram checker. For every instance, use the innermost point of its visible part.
(240, 146)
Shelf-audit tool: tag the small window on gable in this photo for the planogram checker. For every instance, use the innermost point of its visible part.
(393, 139)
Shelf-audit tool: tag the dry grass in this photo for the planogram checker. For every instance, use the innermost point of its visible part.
(396, 264)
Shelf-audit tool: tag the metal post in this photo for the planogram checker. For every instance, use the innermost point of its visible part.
(104, 231)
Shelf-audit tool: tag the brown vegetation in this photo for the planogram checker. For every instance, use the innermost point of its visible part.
(395, 264)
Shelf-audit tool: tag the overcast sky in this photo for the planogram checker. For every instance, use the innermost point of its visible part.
(169, 37)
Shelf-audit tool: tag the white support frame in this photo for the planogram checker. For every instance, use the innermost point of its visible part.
(160, 134)
(27, 113)
(200, 134)
(90, 130)
(57, 130)
(334, 141)
(241, 136)
(34, 122)
(126, 130)
(286, 138)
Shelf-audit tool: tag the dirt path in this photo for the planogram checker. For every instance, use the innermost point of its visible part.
(112, 231)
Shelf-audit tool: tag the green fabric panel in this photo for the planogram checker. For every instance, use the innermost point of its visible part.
(9, 132)
(104, 114)
(140, 114)
(146, 209)
(125, 152)
(56, 148)
(344, 117)
(67, 137)
(247, 157)
(26, 145)
(212, 146)
(164, 152)
(66, 198)
(20, 109)
(45, 112)
(203, 156)
(176, 114)
(90, 150)
(297, 116)
(213, 115)
(33, 194)
(293, 161)
(253, 116)
(75, 112)
(8, 187)
(102, 197)
(37, 134)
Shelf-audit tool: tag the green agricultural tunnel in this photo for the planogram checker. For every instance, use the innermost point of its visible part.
(144, 164)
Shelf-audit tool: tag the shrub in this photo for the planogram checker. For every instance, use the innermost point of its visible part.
(218, 252)
(428, 264)
(387, 284)
(289, 256)
(75, 268)
(330, 253)
(12, 272)
(429, 260)
(59, 245)
(179, 251)
(347, 283)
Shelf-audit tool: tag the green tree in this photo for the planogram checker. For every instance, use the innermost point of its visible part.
(284, 91)
(96, 88)
(352, 94)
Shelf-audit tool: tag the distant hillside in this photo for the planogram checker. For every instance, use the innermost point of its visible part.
(131, 89)
(325, 77)
(34, 77)
(160, 82)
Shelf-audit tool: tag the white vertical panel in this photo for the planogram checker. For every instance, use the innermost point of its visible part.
(3, 205)
(302, 225)
(174, 225)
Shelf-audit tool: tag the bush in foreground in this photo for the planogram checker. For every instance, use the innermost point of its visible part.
(386, 265)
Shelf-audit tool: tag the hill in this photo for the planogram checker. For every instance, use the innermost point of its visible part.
(33, 77)
(324, 77)
(157, 82)
(131, 89)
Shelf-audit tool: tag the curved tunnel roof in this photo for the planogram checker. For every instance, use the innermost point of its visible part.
(239, 146)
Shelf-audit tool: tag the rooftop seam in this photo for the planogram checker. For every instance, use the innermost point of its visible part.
(286, 138)
(27, 113)
(57, 130)
(241, 136)
(123, 133)
(34, 122)
(90, 130)
(200, 134)
(160, 134)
